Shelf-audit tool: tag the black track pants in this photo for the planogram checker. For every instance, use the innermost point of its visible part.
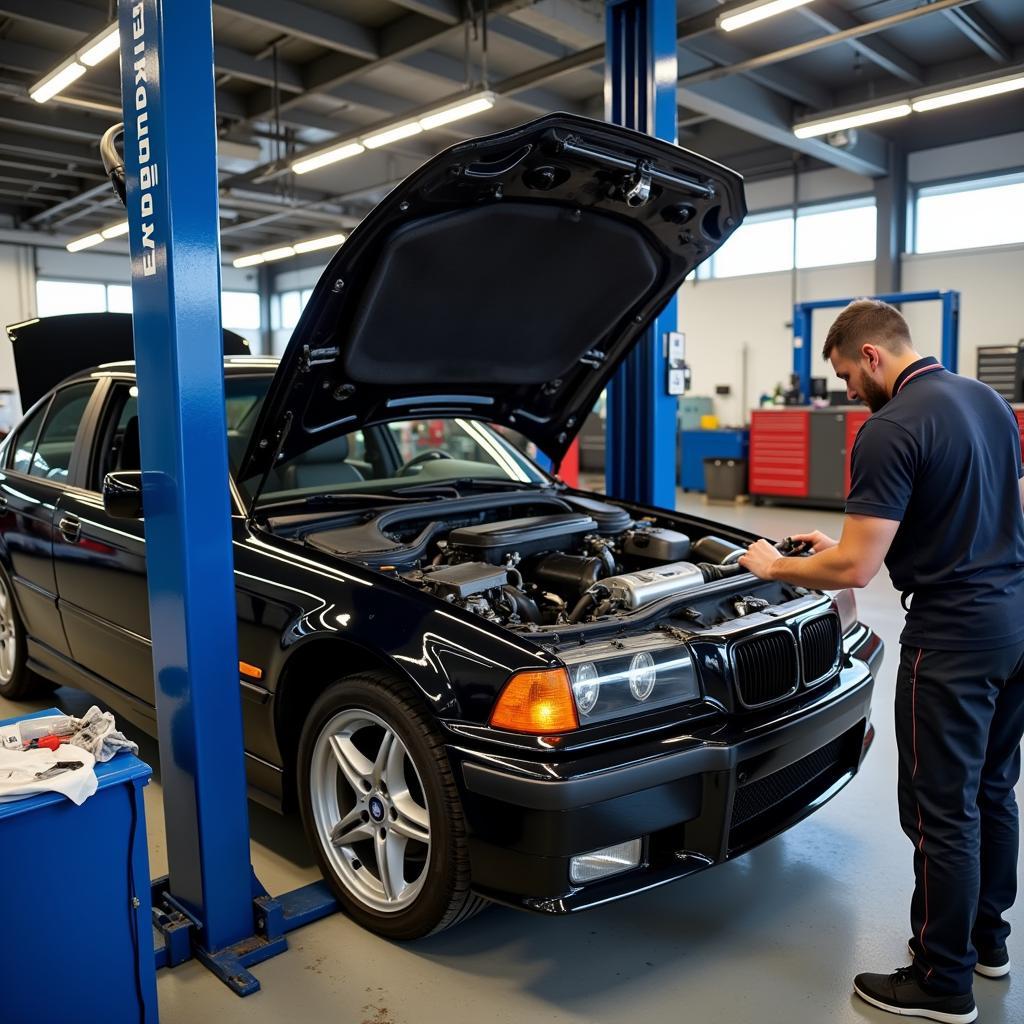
(959, 722)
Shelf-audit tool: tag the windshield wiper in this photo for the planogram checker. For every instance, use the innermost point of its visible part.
(354, 498)
(472, 481)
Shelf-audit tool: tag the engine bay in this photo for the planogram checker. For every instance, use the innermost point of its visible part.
(539, 560)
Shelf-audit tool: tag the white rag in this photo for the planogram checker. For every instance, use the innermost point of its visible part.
(18, 770)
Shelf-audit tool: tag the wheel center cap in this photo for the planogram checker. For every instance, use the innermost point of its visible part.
(376, 808)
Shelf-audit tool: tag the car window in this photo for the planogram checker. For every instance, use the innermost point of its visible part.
(56, 444)
(24, 445)
(384, 457)
(118, 446)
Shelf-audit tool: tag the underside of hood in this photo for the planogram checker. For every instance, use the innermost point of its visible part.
(505, 280)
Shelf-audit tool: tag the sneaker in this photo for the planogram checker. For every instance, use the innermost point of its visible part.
(901, 994)
(993, 963)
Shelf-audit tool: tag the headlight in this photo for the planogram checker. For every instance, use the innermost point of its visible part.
(611, 680)
(642, 676)
(586, 687)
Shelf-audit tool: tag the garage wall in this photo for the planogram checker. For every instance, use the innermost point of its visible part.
(17, 303)
(722, 318)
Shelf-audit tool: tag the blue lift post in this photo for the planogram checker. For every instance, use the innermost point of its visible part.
(803, 354)
(211, 905)
(640, 92)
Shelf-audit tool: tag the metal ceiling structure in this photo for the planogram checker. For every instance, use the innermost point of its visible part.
(292, 75)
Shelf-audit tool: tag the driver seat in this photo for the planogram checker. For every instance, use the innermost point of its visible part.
(322, 466)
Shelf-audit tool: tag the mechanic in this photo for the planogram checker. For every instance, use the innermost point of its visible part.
(936, 492)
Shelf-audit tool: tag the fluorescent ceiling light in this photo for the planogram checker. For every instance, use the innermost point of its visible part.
(402, 131)
(964, 94)
(248, 261)
(57, 81)
(278, 254)
(756, 12)
(85, 242)
(853, 119)
(465, 108)
(327, 242)
(106, 43)
(328, 156)
(115, 230)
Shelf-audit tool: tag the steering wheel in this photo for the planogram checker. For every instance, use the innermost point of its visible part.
(417, 460)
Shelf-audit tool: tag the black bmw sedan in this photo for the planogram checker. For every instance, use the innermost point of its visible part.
(475, 683)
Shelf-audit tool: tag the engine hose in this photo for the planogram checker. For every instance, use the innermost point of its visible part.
(113, 162)
(713, 573)
(582, 606)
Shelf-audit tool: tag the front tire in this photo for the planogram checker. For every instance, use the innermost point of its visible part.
(17, 680)
(381, 810)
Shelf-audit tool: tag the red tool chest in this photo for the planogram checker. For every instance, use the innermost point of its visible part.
(780, 452)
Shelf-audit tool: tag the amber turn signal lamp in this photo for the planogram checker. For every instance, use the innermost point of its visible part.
(538, 702)
(245, 669)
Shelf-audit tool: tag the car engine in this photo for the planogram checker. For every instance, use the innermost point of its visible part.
(572, 560)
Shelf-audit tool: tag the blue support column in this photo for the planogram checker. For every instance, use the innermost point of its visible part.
(951, 330)
(640, 93)
(802, 346)
(171, 166)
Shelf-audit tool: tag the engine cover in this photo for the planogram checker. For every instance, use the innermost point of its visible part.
(635, 589)
(492, 542)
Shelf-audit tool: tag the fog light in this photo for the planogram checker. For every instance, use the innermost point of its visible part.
(612, 860)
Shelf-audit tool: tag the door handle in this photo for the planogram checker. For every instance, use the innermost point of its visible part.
(70, 527)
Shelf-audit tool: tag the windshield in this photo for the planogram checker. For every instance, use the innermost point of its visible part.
(381, 458)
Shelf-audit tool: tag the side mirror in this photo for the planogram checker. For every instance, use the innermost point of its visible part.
(122, 494)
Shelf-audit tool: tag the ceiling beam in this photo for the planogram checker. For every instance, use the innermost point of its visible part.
(976, 27)
(50, 121)
(754, 109)
(720, 51)
(833, 19)
(229, 61)
(49, 148)
(309, 23)
(858, 31)
(56, 13)
(447, 11)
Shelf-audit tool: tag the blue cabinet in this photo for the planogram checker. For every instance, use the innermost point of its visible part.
(697, 445)
(74, 892)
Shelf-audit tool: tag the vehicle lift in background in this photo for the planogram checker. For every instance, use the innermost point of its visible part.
(803, 354)
(641, 68)
(211, 906)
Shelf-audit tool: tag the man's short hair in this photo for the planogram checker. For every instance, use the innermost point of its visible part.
(867, 321)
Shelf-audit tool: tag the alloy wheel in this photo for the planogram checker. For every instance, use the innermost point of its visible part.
(370, 811)
(8, 637)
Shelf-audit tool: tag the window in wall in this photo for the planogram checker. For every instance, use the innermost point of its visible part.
(119, 298)
(843, 233)
(825, 234)
(54, 298)
(761, 244)
(240, 311)
(969, 214)
(287, 307)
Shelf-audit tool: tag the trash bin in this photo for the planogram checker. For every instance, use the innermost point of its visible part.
(725, 479)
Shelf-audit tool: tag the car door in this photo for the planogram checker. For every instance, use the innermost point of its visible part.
(39, 467)
(100, 562)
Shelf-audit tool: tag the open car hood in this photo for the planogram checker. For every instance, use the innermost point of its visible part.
(505, 280)
(48, 350)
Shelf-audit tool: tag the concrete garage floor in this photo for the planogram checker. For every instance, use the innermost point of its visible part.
(773, 938)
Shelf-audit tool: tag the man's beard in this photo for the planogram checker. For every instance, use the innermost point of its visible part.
(873, 394)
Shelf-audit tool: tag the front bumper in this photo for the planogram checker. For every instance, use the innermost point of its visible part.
(697, 798)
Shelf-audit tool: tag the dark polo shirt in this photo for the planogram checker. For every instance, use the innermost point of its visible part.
(943, 458)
